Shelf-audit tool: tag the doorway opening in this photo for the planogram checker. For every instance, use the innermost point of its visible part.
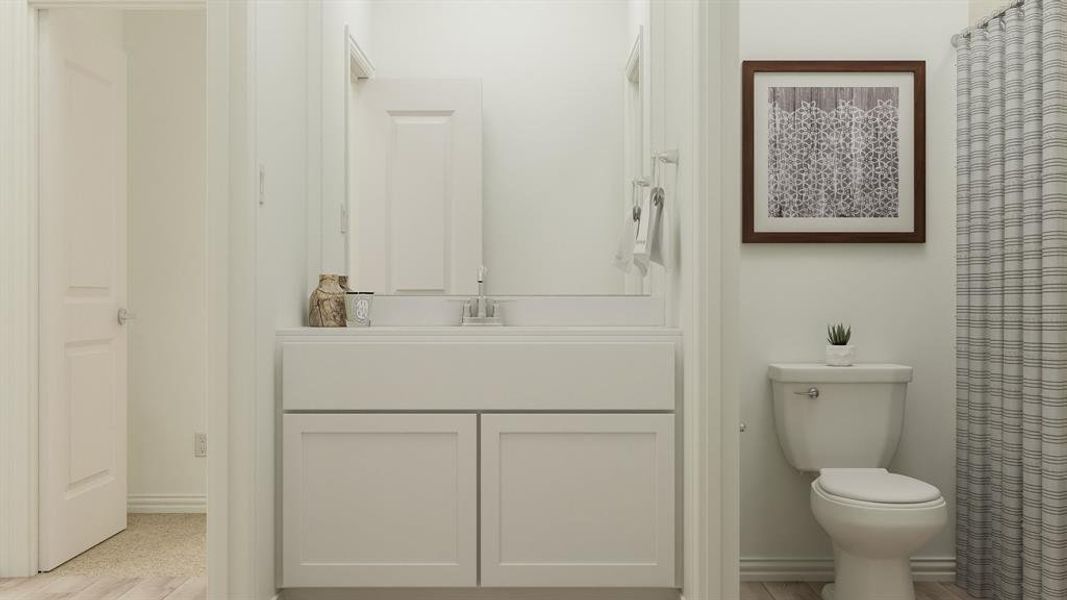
(123, 340)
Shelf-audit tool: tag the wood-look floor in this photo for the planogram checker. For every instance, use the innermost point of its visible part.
(195, 588)
(79, 587)
(780, 590)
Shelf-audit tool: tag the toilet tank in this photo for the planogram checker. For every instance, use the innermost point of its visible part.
(839, 416)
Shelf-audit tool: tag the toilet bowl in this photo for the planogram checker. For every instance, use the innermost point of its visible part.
(876, 520)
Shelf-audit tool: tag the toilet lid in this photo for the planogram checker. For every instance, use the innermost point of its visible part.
(876, 485)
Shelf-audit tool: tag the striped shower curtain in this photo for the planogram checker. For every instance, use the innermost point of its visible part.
(1011, 323)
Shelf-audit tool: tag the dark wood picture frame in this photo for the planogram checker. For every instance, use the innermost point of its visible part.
(750, 68)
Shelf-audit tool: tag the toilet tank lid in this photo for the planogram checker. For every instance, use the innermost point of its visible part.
(857, 373)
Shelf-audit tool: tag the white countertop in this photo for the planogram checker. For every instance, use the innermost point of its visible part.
(474, 331)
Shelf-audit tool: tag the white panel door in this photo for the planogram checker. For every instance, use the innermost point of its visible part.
(578, 500)
(416, 210)
(82, 282)
(379, 500)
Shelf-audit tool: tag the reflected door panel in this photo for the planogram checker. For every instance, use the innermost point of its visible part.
(416, 206)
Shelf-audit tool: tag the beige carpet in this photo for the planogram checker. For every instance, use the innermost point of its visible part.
(153, 545)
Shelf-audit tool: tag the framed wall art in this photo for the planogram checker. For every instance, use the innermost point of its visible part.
(833, 151)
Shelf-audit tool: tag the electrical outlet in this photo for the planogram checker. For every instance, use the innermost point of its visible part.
(200, 445)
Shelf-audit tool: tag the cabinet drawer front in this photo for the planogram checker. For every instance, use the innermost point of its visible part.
(484, 374)
(578, 500)
(379, 500)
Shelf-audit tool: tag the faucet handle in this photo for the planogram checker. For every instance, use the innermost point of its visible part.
(482, 310)
(493, 306)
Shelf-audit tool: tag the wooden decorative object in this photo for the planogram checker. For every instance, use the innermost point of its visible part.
(326, 308)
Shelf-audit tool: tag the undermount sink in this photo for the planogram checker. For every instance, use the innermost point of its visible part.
(523, 311)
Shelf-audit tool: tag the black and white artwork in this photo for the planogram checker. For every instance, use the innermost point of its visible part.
(832, 152)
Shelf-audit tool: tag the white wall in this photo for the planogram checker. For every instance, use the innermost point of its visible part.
(981, 9)
(282, 146)
(899, 298)
(552, 77)
(166, 187)
(674, 120)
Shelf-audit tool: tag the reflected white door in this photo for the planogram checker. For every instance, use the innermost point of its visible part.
(82, 282)
(416, 210)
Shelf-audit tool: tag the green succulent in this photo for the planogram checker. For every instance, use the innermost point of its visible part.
(839, 334)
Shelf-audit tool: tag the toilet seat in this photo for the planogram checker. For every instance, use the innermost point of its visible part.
(876, 486)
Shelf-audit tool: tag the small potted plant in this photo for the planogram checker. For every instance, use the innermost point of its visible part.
(838, 350)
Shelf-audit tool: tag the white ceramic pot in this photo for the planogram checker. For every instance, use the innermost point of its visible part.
(839, 356)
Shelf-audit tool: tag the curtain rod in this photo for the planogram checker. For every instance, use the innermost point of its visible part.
(983, 23)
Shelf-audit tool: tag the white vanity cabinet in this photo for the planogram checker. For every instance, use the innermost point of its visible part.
(577, 500)
(375, 500)
(498, 459)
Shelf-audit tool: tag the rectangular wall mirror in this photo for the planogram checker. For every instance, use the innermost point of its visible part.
(507, 135)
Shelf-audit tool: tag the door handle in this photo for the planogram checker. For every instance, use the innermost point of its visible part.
(125, 315)
(812, 392)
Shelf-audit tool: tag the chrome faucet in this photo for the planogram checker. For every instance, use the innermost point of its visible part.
(480, 309)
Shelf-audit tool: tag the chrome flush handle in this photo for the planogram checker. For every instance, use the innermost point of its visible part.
(812, 392)
(125, 315)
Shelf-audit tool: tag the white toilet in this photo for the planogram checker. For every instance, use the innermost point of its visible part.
(845, 423)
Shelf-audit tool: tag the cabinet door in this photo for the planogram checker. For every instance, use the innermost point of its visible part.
(379, 500)
(578, 500)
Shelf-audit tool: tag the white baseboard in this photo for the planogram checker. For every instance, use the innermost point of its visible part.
(532, 593)
(822, 569)
(166, 503)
